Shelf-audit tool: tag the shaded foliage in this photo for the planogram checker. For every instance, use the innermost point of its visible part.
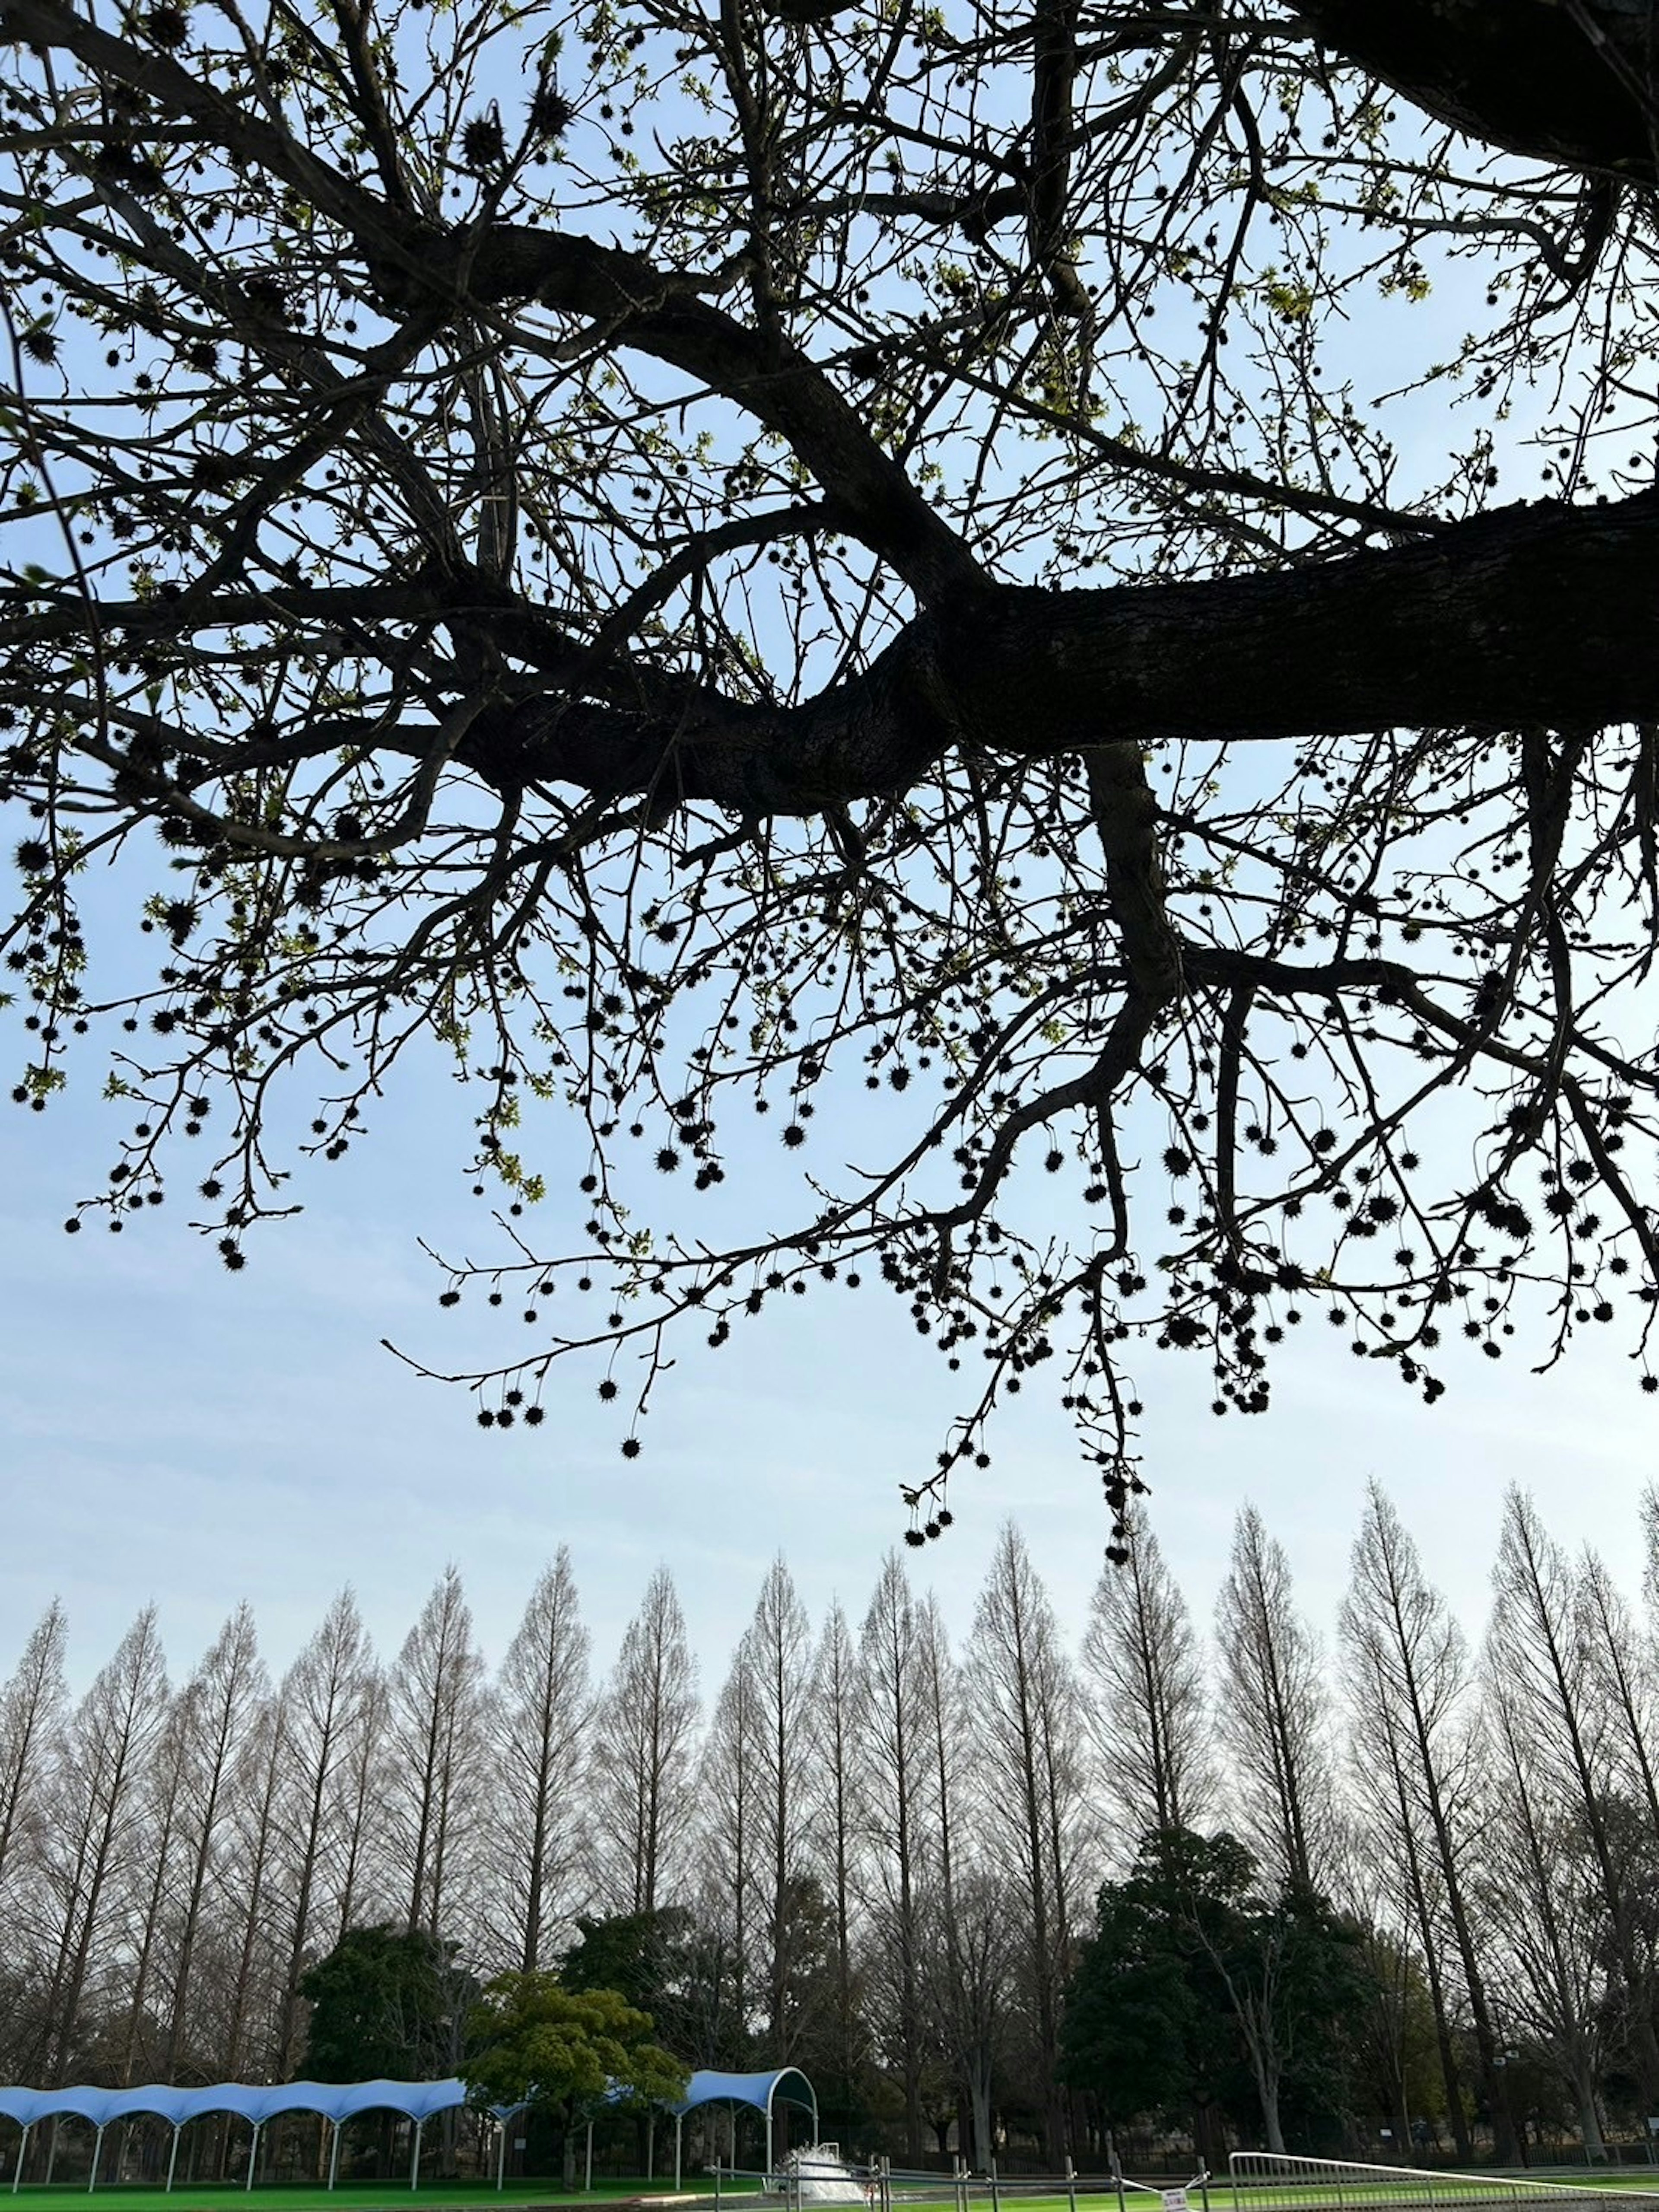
(387, 2004)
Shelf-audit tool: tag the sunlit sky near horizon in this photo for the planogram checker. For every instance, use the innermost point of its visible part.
(170, 1432)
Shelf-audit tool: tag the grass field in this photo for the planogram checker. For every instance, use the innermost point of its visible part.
(433, 2196)
(543, 2191)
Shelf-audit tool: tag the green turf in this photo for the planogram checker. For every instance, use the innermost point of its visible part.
(433, 2196)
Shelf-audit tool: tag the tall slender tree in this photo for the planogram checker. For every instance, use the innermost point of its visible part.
(322, 1711)
(1273, 1711)
(969, 1925)
(641, 1784)
(96, 1823)
(258, 2028)
(437, 1701)
(1545, 1922)
(729, 1826)
(364, 1892)
(779, 1656)
(897, 1772)
(1540, 1666)
(1410, 1720)
(217, 1708)
(1145, 1701)
(30, 1713)
(1026, 1712)
(839, 1786)
(151, 1882)
(542, 1717)
(1620, 1686)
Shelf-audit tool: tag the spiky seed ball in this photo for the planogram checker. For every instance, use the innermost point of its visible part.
(166, 27)
(482, 146)
(40, 344)
(32, 856)
(266, 298)
(551, 115)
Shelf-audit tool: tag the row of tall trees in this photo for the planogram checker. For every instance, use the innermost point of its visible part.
(894, 1861)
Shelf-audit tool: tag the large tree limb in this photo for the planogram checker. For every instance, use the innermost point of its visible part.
(1546, 614)
(1565, 84)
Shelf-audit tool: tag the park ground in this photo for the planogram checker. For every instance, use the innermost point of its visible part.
(541, 2194)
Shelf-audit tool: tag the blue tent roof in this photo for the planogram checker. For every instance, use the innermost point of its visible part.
(343, 2100)
(256, 2102)
(760, 2090)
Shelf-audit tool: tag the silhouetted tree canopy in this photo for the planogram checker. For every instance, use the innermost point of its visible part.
(387, 2003)
(646, 1958)
(947, 576)
(1197, 1995)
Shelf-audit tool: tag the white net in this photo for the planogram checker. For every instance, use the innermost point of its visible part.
(1276, 2181)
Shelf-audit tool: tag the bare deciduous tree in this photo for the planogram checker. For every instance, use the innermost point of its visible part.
(535, 1788)
(897, 1771)
(435, 1693)
(777, 1652)
(217, 1707)
(841, 1792)
(1025, 1708)
(1273, 1711)
(648, 1719)
(1410, 1755)
(321, 1703)
(1145, 1701)
(1540, 1665)
(31, 1711)
(96, 1823)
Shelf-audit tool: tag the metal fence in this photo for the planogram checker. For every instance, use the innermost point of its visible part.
(884, 2185)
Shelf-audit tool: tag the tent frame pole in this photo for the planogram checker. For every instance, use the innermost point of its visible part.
(500, 2158)
(587, 2171)
(415, 2157)
(334, 2154)
(97, 2149)
(679, 2126)
(173, 2156)
(252, 2156)
(22, 2153)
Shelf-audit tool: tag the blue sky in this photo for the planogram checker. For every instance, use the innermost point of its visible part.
(171, 1432)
